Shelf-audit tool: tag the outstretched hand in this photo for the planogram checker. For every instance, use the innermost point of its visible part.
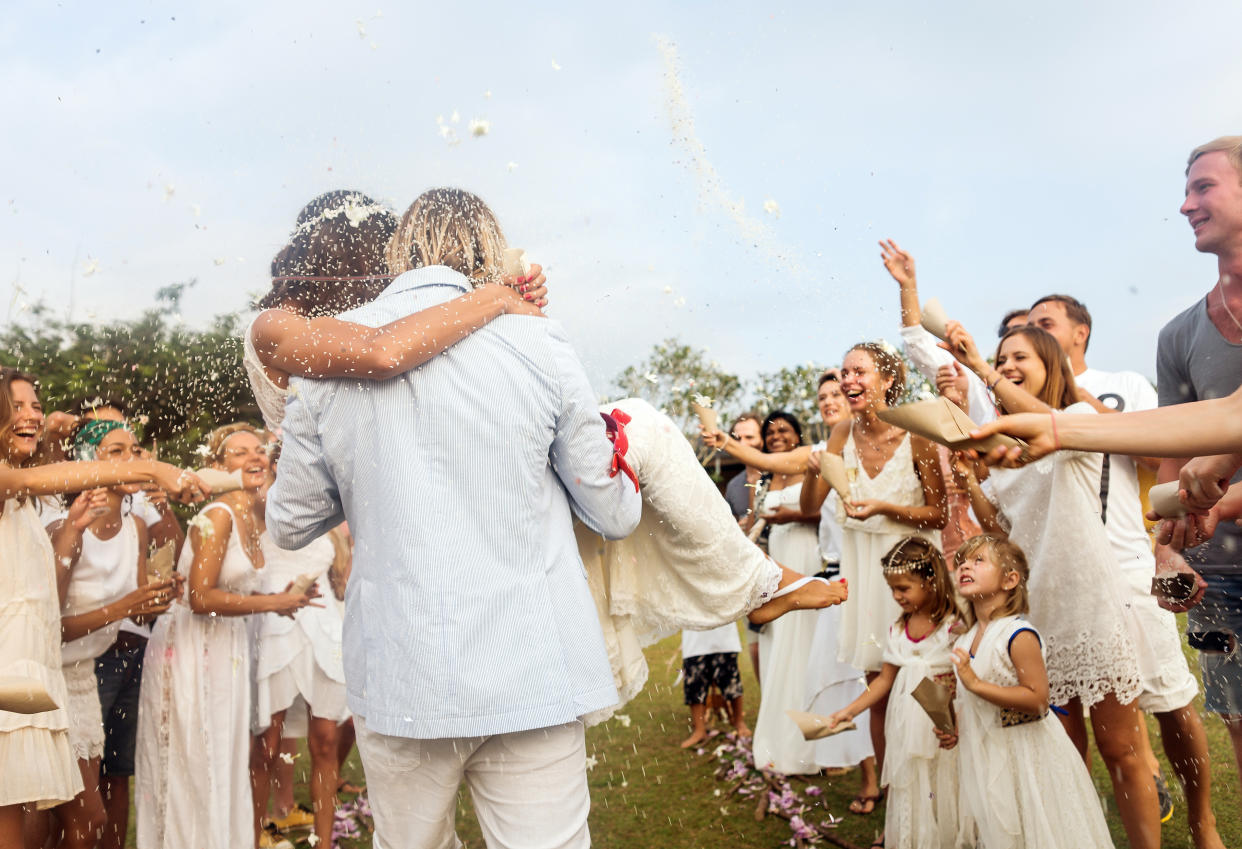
(1036, 429)
(713, 437)
(899, 263)
(962, 346)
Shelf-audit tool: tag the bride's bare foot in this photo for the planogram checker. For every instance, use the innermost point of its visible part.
(694, 739)
(743, 730)
(810, 596)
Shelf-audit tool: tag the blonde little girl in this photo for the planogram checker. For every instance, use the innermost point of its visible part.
(1023, 784)
(920, 776)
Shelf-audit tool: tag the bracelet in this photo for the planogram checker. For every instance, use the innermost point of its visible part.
(1056, 440)
(992, 386)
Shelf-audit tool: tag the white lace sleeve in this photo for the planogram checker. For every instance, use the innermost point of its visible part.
(270, 397)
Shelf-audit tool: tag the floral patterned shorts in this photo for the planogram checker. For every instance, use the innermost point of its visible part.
(704, 670)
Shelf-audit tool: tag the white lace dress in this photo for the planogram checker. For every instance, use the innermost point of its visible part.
(686, 566)
(298, 661)
(191, 781)
(785, 648)
(37, 765)
(1052, 510)
(270, 397)
(921, 777)
(866, 615)
(1023, 784)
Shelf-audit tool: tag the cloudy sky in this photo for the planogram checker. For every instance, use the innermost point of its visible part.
(712, 171)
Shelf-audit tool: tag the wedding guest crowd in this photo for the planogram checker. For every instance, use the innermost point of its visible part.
(1019, 583)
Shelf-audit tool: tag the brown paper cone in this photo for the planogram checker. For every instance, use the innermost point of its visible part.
(937, 702)
(220, 482)
(302, 583)
(1164, 500)
(942, 421)
(160, 564)
(24, 695)
(935, 319)
(815, 727)
(709, 418)
(515, 263)
(832, 469)
(756, 529)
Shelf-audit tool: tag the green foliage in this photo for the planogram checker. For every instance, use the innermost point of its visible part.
(673, 374)
(792, 390)
(177, 382)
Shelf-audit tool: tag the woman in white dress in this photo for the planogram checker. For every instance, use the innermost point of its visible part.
(102, 551)
(896, 489)
(785, 645)
(299, 667)
(37, 766)
(191, 778)
(1051, 510)
(830, 683)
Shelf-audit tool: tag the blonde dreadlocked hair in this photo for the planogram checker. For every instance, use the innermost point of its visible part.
(449, 227)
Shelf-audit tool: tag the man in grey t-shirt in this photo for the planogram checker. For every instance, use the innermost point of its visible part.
(1200, 357)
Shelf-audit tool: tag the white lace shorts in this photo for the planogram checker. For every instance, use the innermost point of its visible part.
(1168, 683)
(86, 731)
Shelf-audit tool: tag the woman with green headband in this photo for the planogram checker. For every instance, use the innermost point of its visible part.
(101, 551)
(37, 766)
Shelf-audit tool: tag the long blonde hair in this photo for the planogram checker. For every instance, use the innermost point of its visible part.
(449, 227)
(1008, 557)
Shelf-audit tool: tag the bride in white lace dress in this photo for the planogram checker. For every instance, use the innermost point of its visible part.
(1051, 510)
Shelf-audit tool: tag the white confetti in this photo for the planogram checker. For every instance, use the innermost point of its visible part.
(362, 28)
(511, 167)
(196, 209)
(772, 208)
(92, 265)
(624, 719)
(169, 191)
(219, 260)
(591, 762)
(555, 66)
(480, 126)
(286, 757)
(455, 117)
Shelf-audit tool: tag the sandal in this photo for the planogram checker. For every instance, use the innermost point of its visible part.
(858, 806)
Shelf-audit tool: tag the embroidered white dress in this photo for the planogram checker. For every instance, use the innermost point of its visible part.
(270, 397)
(1023, 784)
(298, 661)
(1052, 510)
(191, 782)
(37, 765)
(870, 608)
(686, 566)
(921, 777)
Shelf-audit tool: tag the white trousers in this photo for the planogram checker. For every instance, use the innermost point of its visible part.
(529, 788)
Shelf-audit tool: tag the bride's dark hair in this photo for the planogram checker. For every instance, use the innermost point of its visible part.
(335, 256)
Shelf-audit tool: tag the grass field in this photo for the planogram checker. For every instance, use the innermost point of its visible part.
(646, 792)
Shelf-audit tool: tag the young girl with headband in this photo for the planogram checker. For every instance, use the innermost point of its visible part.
(921, 777)
(1023, 785)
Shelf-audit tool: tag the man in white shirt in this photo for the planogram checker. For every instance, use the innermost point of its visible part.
(1169, 687)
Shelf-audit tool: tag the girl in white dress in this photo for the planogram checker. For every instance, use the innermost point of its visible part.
(1023, 785)
(1051, 510)
(37, 766)
(921, 777)
(103, 550)
(191, 781)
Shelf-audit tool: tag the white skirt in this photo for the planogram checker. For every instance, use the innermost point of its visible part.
(303, 679)
(86, 731)
(38, 768)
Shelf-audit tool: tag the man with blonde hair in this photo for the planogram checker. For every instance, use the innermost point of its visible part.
(1200, 357)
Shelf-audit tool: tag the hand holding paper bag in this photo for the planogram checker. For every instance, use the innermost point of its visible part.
(935, 319)
(220, 481)
(708, 418)
(942, 421)
(1165, 502)
(937, 701)
(816, 727)
(832, 469)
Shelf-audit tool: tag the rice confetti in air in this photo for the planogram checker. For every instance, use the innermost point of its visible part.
(480, 127)
(772, 208)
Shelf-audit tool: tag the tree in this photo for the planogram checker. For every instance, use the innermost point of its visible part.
(673, 375)
(792, 390)
(178, 382)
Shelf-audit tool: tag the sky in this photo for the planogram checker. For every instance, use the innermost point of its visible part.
(715, 172)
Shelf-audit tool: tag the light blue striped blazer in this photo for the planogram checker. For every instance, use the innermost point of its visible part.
(468, 611)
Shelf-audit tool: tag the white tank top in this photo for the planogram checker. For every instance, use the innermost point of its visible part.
(106, 571)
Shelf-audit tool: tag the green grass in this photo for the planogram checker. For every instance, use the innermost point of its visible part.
(647, 792)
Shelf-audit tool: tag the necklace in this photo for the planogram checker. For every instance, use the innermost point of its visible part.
(1225, 304)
